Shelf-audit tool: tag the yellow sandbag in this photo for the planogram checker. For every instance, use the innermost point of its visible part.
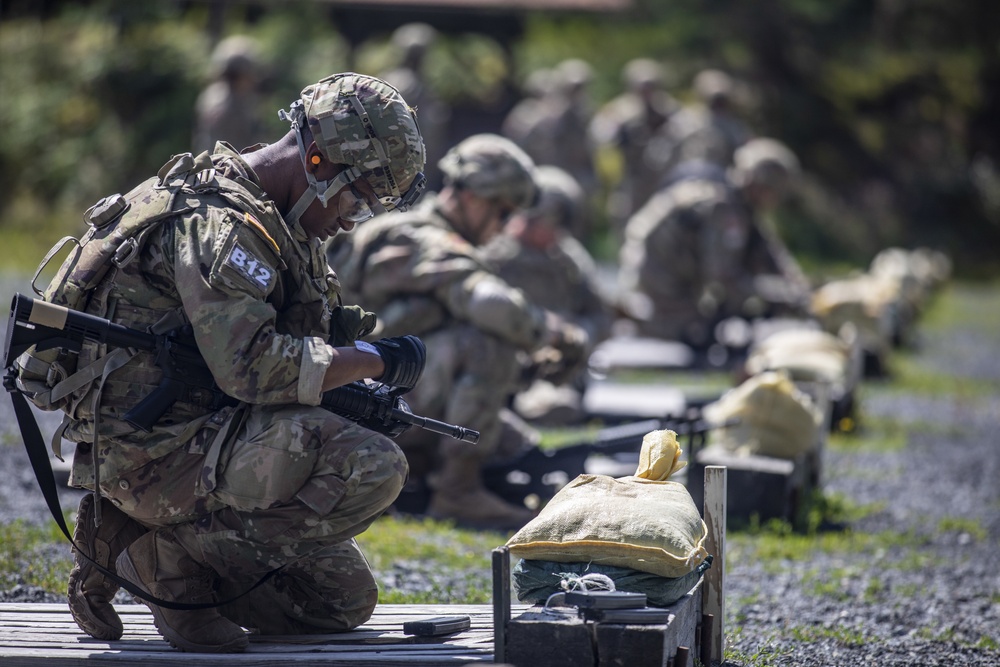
(660, 456)
(644, 523)
(773, 417)
(806, 354)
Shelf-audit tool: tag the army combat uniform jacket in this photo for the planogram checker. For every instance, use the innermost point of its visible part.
(269, 480)
(695, 255)
(423, 277)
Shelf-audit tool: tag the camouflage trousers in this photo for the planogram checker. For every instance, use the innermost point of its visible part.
(271, 487)
(469, 378)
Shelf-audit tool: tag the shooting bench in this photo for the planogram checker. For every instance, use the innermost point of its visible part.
(694, 625)
(767, 487)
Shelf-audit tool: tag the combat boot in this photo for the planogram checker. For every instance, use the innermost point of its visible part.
(459, 495)
(90, 592)
(158, 565)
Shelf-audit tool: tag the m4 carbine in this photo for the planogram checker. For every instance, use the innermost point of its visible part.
(47, 326)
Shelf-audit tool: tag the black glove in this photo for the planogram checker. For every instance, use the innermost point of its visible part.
(404, 358)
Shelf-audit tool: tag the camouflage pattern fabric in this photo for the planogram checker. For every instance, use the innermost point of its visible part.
(223, 113)
(633, 128)
(343, 137)
(702, 133)
(560, 278)
(693, 256)
(246, 506)
(419, 274)
(272, 482)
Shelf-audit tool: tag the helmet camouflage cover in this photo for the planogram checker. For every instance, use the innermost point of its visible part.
(364, 122)
(492, 167)
(560, 196)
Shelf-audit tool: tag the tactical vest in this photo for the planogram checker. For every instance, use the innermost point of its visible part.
(118, 229)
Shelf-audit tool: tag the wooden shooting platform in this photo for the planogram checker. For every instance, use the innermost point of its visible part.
(44, 635)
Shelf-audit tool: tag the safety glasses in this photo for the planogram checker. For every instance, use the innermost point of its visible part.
(353, 207)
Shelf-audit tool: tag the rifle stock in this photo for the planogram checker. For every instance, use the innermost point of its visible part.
(47, 326)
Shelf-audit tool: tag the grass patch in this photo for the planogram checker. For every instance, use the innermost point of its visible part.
(971, 527)
(22, 560)
(839, 634)
(776, 544)
(874, 434)
(910, 376)
(407, 555)
(760, 655)
(973, 306)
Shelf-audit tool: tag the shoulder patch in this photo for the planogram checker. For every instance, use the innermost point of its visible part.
(246, 263)
(259, 228)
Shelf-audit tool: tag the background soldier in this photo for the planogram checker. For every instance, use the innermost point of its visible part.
(231, 246)
(630, 131)
(710, 130)
(228, 109)
(425, 272)
(700, 251)
(412, 42)
(537, 254)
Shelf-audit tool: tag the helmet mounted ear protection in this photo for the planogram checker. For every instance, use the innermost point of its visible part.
(341, 124)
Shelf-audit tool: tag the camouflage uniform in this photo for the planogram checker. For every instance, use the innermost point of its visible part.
(255, 478)
(696, 254)
(272, 481)
(631, 127)
(709, 131)
(538, 255)
(419, 275)
(553, 127)
(228, 109)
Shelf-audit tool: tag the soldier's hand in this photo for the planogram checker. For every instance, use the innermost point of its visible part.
(572, 343)
(404, 358)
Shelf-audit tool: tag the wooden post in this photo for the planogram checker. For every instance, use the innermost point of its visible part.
(501, 602)
(714, 593)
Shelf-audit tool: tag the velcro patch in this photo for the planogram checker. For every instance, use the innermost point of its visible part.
(249, 266)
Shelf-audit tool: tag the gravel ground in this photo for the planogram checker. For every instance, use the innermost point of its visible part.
(930, 595)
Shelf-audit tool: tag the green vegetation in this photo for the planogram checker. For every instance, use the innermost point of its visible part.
(838, 633)
(970, 527)
(764, 654)
(424, 548)
(20, 562)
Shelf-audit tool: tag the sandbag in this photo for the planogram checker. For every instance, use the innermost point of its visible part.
(646, 523)
(772, 418)
(806, 354)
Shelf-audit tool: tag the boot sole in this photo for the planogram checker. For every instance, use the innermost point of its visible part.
(80, 608)
(126, 570)
(83, 613)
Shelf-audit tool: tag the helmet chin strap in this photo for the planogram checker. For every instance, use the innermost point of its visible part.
(321, 190)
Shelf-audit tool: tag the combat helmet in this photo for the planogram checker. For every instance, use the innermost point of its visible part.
(766, 162)
(364, 123)
(560, 197)
(713, 86)
(491, 167)
(235, 56)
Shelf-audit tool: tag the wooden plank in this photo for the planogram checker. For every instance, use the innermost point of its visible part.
(44, 635)
(714, 600)
(501, 602)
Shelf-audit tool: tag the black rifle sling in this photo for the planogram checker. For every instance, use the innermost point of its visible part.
(39, 457)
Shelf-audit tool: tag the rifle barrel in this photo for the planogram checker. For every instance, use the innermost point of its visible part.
(458, 432)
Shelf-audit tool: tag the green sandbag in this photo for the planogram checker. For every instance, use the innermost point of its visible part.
(535, 580)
